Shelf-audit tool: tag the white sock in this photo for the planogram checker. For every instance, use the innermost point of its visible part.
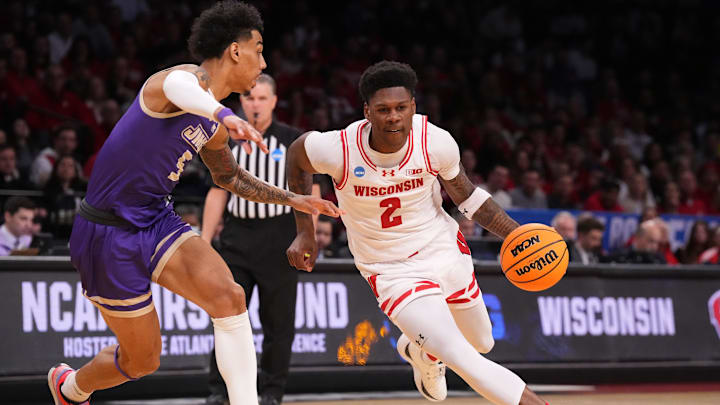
(236, 361)
(71, 390)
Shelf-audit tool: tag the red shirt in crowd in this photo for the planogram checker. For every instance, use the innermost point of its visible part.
(593, 203)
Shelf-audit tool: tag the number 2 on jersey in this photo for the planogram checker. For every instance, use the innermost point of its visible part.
(391, 204)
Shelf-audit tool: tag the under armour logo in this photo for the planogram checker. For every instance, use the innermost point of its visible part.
(420, 340)
(465, 211)
(388, 173)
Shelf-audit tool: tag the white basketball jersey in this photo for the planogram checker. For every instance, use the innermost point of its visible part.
(392, 212)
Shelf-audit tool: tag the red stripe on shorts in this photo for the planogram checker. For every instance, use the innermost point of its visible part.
(458, 301)
(371, 280)
(384, 304)
(426, 286)
(399, 300)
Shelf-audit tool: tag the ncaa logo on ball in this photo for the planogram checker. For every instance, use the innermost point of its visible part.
(359, 171)
(277, 154)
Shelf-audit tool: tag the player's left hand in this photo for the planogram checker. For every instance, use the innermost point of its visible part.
(303, 252)
(241, 130)
(314, 205)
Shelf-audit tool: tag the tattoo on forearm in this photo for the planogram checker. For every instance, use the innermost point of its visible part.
(458, 188)
(228, 175)
(493, 218)
(299, 182)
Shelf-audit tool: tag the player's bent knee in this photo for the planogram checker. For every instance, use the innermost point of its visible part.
(485, 344)
(228, 302)
(142, 366)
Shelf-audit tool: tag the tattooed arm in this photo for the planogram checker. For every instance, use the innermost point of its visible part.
(303, 252)
(490, 216)
(227, 174)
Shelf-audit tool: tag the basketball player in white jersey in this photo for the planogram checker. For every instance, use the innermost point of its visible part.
(387, 171)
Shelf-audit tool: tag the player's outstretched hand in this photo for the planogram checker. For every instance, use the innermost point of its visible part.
(315, 205)
(241, 130)
(303, 252)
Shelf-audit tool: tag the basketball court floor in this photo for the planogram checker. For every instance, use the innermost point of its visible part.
(642, 394)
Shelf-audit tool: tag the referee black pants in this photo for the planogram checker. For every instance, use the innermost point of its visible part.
(257, 257)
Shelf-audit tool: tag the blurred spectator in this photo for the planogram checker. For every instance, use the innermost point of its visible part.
(92, 27)
(469, 162)
(689, 201)
(21, 86)
(324, 235)
(57, 103)
(16, 232)
(25, 150)
(587, 249)
(565, 224)
(645, 248)
(468, 227)
(665, 248)
(528, 194)
(496, 183)
(61, 39)
(563, 194)
(63, 193)
(698, 242)
(670, 203)
(605, 199)
(64, 142)
(648, 213)
(712, 254)
(10, 176)
(636, 196)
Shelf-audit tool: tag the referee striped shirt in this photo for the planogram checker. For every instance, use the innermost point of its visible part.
(267, 167)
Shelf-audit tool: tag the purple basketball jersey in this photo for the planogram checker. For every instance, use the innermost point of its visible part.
(142, 160)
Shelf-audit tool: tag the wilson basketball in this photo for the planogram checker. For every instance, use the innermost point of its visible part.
(534, 257)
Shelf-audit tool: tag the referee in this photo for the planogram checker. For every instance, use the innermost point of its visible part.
(253, 242)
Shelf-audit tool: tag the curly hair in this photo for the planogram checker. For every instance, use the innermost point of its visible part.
(220, 25)
(386, 74)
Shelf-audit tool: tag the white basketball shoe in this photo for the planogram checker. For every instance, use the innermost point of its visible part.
(429, 377)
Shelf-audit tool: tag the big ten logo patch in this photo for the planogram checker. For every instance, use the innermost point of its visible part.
(175, 176)
(356, 349)
(195, 136)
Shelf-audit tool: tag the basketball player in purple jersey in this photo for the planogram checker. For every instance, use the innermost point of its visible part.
(126, 233)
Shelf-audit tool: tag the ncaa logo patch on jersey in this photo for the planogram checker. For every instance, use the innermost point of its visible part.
(277, 154)
(359, 171)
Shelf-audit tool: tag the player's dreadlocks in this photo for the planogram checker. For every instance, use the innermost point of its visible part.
(386, 74)
(220, 25)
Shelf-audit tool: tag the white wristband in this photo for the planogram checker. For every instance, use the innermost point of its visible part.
(183, 89)
(476, 199)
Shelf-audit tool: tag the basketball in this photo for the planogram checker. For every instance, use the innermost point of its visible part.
(534, 257)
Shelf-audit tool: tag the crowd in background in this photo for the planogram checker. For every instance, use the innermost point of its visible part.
(606, 106)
